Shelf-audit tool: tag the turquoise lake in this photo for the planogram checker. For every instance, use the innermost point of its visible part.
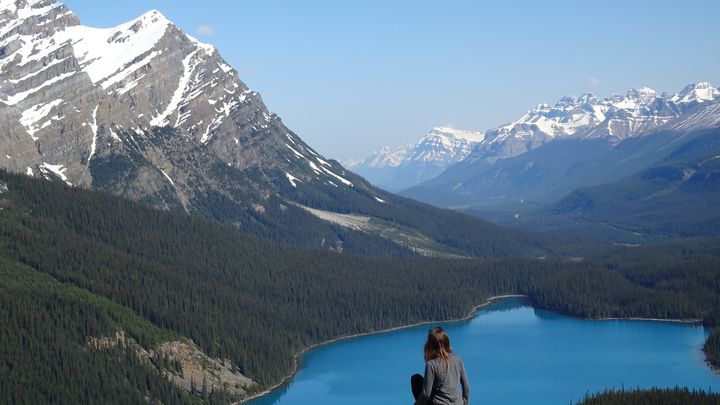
(513, 354)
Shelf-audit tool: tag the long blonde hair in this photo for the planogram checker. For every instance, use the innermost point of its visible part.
(438, 346)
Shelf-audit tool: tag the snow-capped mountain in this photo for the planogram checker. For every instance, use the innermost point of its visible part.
(385, 157)
(145, 111)
(579, 141)
(694, 94)
(408, 165)
(616, 118)
(640, 111)
(106, 89)
(444, 146)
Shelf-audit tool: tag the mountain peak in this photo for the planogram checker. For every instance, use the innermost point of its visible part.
(146, 21)
(144, 110)
(697, 92)
(458, 133)
(406, 166)
(153, 13)
(103, 51)
(641, 92)
(386, 157)
(542, 108)
(587, 98)
(149, 19)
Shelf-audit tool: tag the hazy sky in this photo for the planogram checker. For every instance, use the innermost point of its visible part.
(350, 76)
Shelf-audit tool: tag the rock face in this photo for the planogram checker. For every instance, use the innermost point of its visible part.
(146, 111)
(184, 363)
(398, 169)
(199, 372)
(70, 94)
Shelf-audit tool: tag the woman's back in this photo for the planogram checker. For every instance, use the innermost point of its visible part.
(444, 374)
(447, 380)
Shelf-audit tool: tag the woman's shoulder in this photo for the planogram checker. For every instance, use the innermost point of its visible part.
(452, 359)
(432, 363)
(455, 358)
(451, 356)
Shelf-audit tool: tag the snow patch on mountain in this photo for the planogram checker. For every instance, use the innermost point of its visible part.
(292, 179)
(21, 96)
(108, 55)
(458, 133)
(189, 64)
(94, 127)
(33, 115)
(54, 170)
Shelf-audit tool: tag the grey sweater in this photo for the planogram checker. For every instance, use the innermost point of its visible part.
(442, 386)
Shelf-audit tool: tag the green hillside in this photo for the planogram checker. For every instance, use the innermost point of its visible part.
(677, 197)
(78, 265)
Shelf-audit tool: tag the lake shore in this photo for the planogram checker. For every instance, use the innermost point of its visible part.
(297, 362)
(683, 321)
(468, 316)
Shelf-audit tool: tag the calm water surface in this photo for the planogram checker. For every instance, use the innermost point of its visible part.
(514, 354)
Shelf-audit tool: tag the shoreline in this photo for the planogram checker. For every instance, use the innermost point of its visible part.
(468, 316)
(298, 356)
(681, 321)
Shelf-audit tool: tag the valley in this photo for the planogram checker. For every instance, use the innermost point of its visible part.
(207, 282)
(166, 238)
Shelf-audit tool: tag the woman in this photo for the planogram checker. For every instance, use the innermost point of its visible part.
(444, 374)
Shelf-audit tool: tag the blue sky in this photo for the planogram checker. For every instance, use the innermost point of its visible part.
(350, 76)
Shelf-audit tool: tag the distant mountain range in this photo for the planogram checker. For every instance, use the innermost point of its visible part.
(145, 111)
(406, 166)
(587, 117)
(579, 142)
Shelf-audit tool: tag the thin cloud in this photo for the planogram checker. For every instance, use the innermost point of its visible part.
(593, 81)
(205, 30)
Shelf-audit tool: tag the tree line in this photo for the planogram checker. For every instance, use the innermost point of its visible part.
(258, 303)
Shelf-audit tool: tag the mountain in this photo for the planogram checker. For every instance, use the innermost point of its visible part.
(579, 142)
(145, 111)
(675, 197)
(586, 117)
(406, 166)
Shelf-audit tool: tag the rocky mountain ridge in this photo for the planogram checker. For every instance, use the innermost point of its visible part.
(145, 111)
(642, 110)
(405, 166)
(110, 87)
(617, 117)
(525, 162)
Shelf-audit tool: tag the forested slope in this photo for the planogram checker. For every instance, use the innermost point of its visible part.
(46, 356)
(256, 303)
(674, 198)
(654, 396)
